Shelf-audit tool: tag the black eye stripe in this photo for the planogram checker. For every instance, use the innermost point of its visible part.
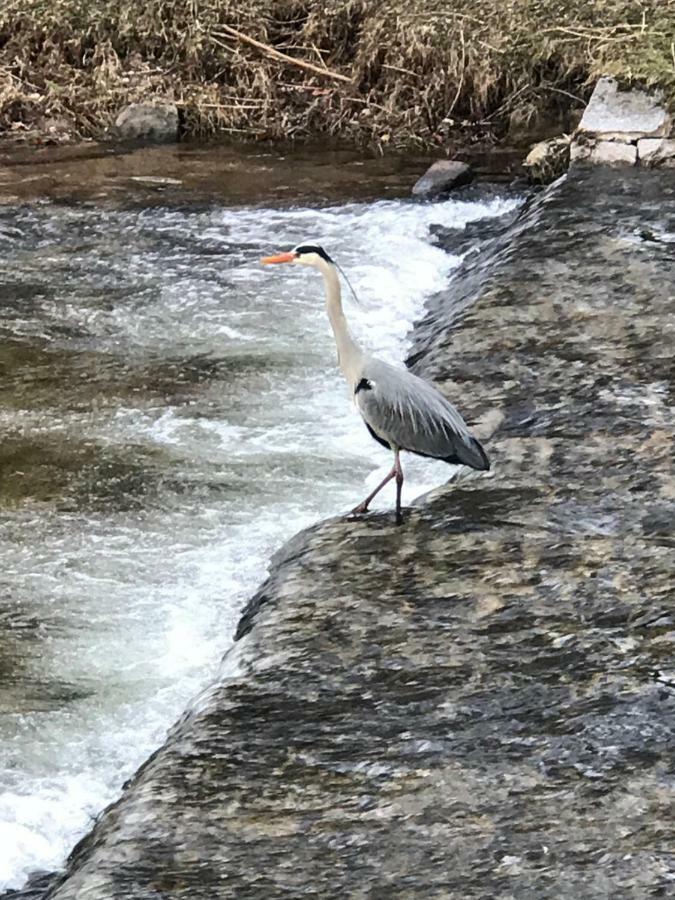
(314, 248)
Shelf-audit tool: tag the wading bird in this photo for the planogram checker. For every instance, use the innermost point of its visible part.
(401, 411)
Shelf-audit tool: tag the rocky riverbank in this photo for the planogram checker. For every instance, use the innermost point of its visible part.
(388, 73)
(480, 703)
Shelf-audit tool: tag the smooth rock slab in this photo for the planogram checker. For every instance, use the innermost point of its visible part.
(613, 153)
(154, 122)
(441, 177)
(612, 114)
(609, 153)
(479, 704)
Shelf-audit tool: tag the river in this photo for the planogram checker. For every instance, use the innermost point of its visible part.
(171, 413)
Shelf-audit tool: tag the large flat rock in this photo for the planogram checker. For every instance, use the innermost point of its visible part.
(481, 703)
(613, 114)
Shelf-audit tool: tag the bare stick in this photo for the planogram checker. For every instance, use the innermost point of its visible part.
(461, 77)
(276, 54)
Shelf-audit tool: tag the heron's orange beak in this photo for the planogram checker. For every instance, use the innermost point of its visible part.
(279, 258)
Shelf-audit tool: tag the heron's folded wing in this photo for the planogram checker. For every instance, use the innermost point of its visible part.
(411, 414)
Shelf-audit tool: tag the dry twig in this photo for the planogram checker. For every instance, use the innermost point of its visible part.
(276, 54)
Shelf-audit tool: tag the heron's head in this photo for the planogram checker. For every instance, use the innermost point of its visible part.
(302, 255)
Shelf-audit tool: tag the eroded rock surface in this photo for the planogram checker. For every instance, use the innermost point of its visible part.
(478, 704)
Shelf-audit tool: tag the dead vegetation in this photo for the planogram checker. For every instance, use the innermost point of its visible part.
(375, 71)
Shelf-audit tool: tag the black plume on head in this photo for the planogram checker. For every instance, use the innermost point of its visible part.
(314, 248)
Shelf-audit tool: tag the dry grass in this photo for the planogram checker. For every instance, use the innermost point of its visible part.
(419, 72)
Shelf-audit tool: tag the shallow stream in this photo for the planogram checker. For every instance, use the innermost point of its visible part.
(171, 412)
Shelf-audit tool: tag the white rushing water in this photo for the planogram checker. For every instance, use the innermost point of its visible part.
(197, 399)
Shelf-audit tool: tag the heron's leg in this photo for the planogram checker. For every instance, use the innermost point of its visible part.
(363, 507)
(398, 472)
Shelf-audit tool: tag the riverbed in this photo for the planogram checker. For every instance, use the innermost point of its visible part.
(171, 413)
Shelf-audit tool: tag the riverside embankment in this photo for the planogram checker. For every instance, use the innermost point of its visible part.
(383, 72)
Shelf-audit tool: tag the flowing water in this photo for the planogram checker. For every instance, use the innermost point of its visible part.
(171, 413)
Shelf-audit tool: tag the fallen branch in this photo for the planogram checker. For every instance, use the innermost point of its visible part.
(228, 31)
(461, 75)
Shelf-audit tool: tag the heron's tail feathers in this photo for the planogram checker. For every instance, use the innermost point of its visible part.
(471, 454)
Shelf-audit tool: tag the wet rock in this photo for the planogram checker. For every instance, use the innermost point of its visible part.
(441, 177)
(616, 115)
(481, 702)
(153, 122)
(548, 160)
(656, 152)
(36, 887)
(472, 236)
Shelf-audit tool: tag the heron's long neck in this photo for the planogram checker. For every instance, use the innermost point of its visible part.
(350, 354)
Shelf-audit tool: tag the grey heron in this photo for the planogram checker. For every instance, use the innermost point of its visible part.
(401, 411)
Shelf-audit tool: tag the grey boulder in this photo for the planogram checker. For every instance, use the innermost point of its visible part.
(441, 177)
(156, 122)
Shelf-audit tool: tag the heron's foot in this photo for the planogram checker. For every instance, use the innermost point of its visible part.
(360, 509)
(399, 517)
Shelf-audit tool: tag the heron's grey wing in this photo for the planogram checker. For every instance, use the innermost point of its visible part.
(409, 413)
